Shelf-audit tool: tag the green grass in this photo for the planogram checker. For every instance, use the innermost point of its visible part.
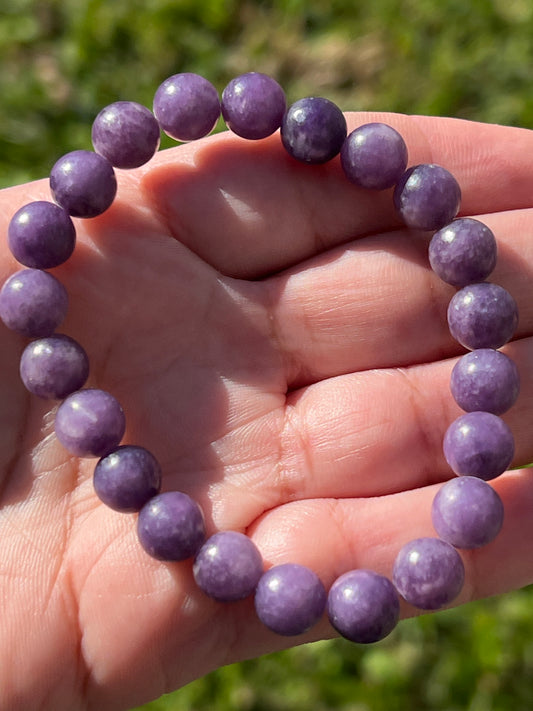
(63, 60)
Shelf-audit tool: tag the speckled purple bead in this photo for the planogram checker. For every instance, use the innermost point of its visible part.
(171, 526)
(90, 423)
(228, 566)
(33, 303)
(54, 367)
(463, 252)
(428, 573)
(290, 599)
(127, 477)
(485, 379)
(479, 444)
(126, 133)
(363, 606)
(374, 156)
(482, 315)
(41, 235)
(467, 512)
(83, 183)
(313, 130)
(187, 106)
(427, 197)
(253, 105)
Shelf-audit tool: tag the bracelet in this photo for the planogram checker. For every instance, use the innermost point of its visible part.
(467, 513)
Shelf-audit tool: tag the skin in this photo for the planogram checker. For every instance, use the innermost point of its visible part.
(278, 341)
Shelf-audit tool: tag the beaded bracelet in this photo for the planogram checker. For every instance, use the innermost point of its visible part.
(467, 513)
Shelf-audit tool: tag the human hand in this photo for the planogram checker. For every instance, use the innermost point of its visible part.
(278, 341)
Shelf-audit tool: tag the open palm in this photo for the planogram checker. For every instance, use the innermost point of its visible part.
(278, 341)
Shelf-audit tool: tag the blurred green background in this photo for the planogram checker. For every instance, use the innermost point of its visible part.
(61, 61)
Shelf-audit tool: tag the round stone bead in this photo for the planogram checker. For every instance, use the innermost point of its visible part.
(54, 367)
(374, 156)
(83, 183)
(41, 235)
(33, 303)
(126, 133)
(313, 130)
(463, 252)
(479, 444)
(427, 197)
(363, 606)
(485, 379)
(290, 599)
(253, 105)
(187, 106)
(428, 573)
(228, 566)
(467, 512)
(171, 526)
(126, 478)
(90, 423)
(482, 315)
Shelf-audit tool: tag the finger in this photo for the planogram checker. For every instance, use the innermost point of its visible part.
(366, 434)
(376, 303)
(249, 209)
(334, 536)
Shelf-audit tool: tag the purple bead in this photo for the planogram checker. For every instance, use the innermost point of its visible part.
(374, 156)
(427, 197)
(290, 599)
(485, 379)
(41, 235)
(171, 526)
(253, 105)
(54, 367)
(482, 315)
(463, 252)
(33, 303)
(90, 423)
(363, 606)
(467, 512)
(313, 130)
(228, 566)
(126, 478)
(126, 133)
(428, 573)
(479, 444)
(83, 183)
(187, 106)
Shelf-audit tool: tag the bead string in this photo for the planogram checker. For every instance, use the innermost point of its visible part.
(467, 513)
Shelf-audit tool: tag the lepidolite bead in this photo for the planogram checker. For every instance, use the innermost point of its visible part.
(363, 606)
(90, 423)
(41, 235)
(253, 105)
(126, 133)
(374, 156)
(482, 315)
(427, 197)
(228, 566)
(463, 252)
(171, 526)
(127, 477)
(428, 573)
(187, 106)
(54, 367)
(33, 303)
(83, 183)
(467, 512)
(313, 130)
(290, 599)
(485, 379)
(479, 444)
